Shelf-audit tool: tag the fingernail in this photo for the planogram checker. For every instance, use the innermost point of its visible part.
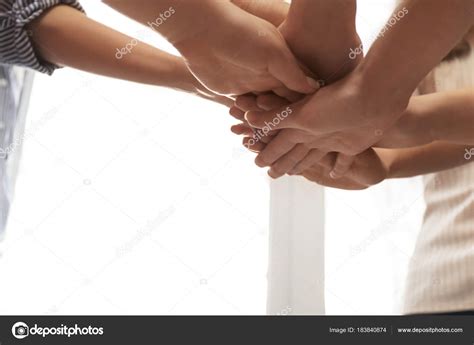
(333, 175)
(313, 83)
(246, 115)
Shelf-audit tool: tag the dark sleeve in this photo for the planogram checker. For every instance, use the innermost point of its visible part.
(15, 45)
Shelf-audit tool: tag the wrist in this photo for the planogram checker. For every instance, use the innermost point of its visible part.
(388, 157)
(192, 21)
(179, 77)
(382, 101)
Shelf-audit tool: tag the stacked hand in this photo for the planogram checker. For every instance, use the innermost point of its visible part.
(240, 53)
(330, 127)
(270, 56)
(334, 119)
(329, 134)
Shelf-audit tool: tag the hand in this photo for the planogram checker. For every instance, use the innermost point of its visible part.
(362, 171)
(199, 90)
(368, 169)
(292, 150)
(318, 55)
(273, 11)
(338, 118)
(183, 80)
(236, 53)
(343, 107)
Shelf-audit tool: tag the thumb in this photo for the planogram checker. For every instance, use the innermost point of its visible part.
(286, 69)
(275, 119)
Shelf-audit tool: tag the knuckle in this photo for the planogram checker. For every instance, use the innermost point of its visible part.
(278, 169)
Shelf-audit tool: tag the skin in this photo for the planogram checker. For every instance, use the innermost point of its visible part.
(323, 45)
(368, 102)
(438, 117)
(443, 116)
(272, 11)
(257, 59)
(327, 57)
(374, 166)
(66, 37)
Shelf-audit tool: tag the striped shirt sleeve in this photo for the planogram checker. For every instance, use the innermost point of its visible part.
(15, 45)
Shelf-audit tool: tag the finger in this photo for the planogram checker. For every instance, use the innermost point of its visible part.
(315, 173)
(312, 158)
(274, 150)
(237, 113)
(242, 129)
(328, 161)
(253, 145)
(285, 68)
(271, 101)
(279, 118)
(247, 102)
(288, 161)
(318, 174)
(256, 134)
(227, 101)
(264, 136)
(266, 139)
(287, 94)
(342, 166)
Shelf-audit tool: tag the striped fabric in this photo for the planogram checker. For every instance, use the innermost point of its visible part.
(441, 272)
(15, 45)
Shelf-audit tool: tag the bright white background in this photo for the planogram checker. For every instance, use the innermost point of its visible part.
(138, 200)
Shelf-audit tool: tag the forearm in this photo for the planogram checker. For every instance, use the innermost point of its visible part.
(451, 116)
(322, 33)
(65, 36)
(424, 32)
(190, 17)
(423, 160)
(444, 116)
(176, 20)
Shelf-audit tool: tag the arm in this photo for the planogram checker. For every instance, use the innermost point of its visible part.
(67, 37)
(374, 166)
(423, 160)
(443, 116)
(322, 33)
(377, 92)
(229, 50)
(423, 33)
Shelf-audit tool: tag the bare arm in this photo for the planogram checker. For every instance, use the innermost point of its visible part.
(374, 166)
(420, 35)
(250, 53)
(423, 160)
(67, 37)
(322, 33)
(443, 116)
